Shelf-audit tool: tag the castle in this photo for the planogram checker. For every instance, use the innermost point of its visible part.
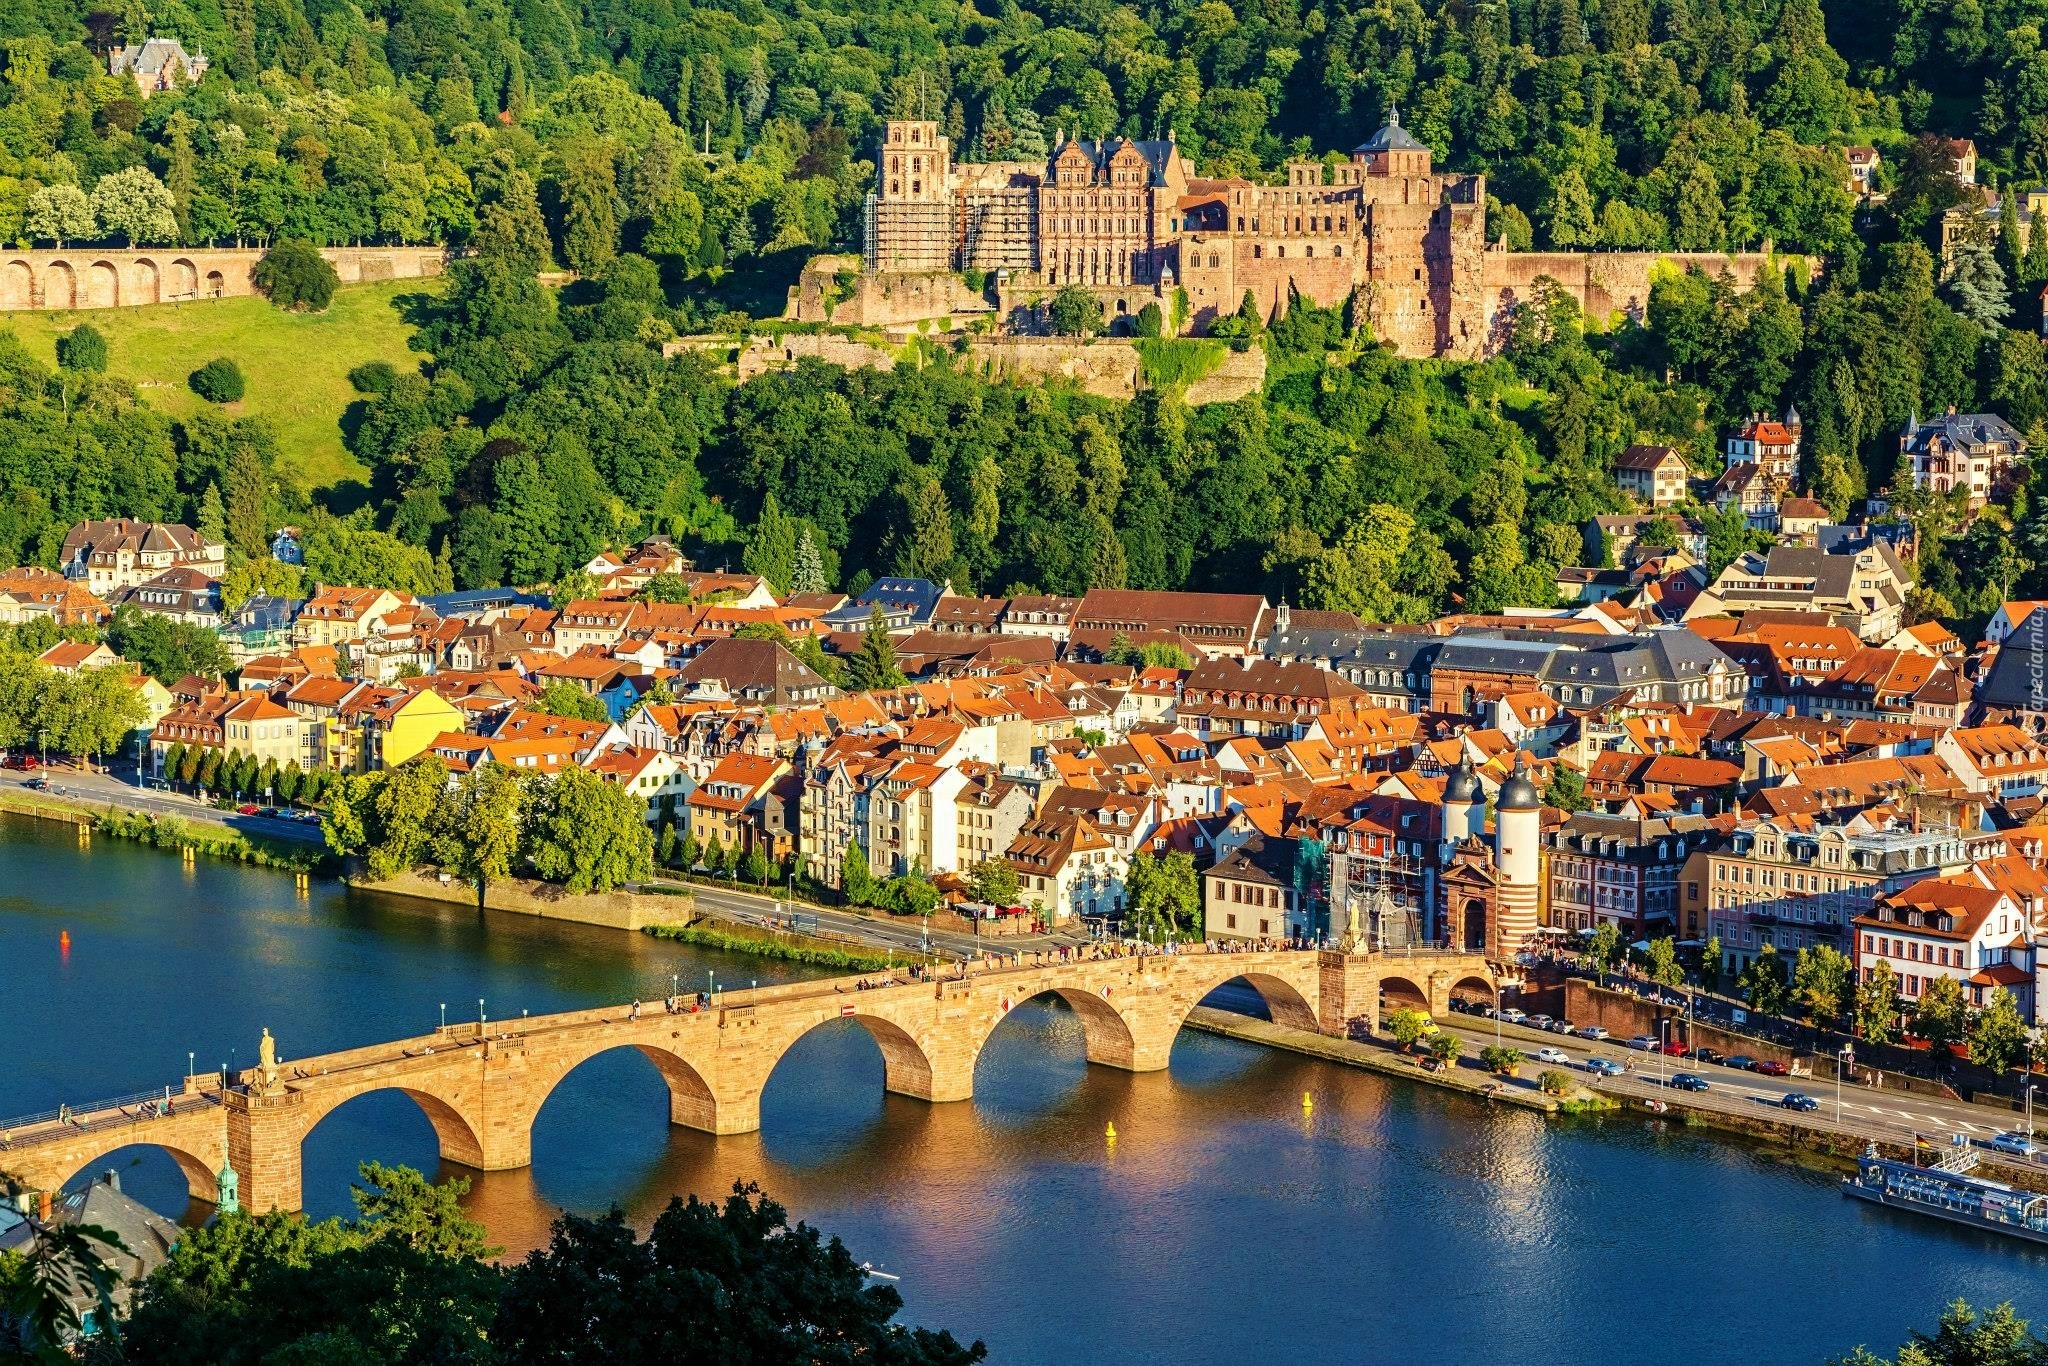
(1130, 220)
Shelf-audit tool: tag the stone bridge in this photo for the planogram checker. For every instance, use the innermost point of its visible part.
(95, 277)
(482, 1086)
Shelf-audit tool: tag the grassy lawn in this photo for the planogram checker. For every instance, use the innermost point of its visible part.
(297, 365)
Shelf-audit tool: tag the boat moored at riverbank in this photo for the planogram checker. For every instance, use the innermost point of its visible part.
(1947, 1190)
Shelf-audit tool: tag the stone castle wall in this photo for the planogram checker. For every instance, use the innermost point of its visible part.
(1609, 285)
(95, 277)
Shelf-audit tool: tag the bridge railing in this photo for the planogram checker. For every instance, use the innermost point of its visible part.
(99, 1115)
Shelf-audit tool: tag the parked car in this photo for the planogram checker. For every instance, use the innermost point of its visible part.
(1708, 1055)
(1594, 1032)
(248, 808)
(1537, 1022)
(1563, 1027)
(1557, 1057)
(1771, 1067)
(1643, 1043)
(1606, 1067)
(1689, 1081)
(1513, 1016)
(1799, 1100)
(1741, 1062)
(1675, 1048)
(2015, 1142)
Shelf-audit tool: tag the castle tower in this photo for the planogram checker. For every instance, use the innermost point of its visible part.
(1464, 807)
(1517, 861)
(910, 217)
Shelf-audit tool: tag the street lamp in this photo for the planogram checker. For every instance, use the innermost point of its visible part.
(479, 1016)
(1663, 1051)
(444, 1017)
(1843, 1059)
(710, 984)
(192, 1066)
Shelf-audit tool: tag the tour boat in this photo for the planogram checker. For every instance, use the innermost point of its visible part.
(1946, 1190)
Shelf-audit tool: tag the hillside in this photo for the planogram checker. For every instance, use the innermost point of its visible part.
(297, 365)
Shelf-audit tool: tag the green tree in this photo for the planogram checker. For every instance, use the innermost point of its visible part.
(481, 840)
(587, 834)
(772, 548)
(1567, 789)
(994, 882)
(132, 203)
(1997, 1337)
(855, 879)
(1764, 982)
(1976, 284)
(296, 277)
(1164, 895)
(756, 868)
(566, 699)
(1823, 980)
(1941, 1016)
(57, 212)
(738, 1275)
(1074, 312)
(218, 381)
(39, 1283)
(873, 665)
(1663, 963)
(1999, 1036)
(1408, 1026)
(1604, 949)
(83, 348)
(1150, 321)
(406, 811)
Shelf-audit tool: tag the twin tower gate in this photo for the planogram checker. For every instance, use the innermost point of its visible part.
(482, 1086)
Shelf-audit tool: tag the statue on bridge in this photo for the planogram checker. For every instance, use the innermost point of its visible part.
(266, 1061)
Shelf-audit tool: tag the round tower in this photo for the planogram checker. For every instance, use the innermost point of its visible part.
(1464, 805)
(1517, 861)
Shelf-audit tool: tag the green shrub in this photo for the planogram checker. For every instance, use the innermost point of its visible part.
(218, 381)
(1500, 1058)
(1553, 1082)
(83, 348)
(1175, 362)
(373, 377)
(774, 946)
(1150, 321)
(294, 275)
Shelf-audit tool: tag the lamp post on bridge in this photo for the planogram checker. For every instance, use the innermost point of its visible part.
(479, 1017)
(444, 1017)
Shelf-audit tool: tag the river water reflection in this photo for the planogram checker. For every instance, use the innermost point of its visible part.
(1392, 1223)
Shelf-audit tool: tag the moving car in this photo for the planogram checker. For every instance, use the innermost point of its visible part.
(2015, 1142)
(37, 784)
(1771, 1067)
(1689, 1081)
(1556, 1056)
(1799, 1100)
(248, 808)
(1606, 1067)
(1594, 1032)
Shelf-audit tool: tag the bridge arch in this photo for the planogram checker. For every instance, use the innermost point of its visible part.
(457, 1134)
(691, 1101)
(201, 1182)
(907, 1066)
(1473, 987)
(1285, 1002)
(1107, 1036)
(1400, 993)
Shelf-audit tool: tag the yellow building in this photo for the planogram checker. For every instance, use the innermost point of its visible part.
(387, 726)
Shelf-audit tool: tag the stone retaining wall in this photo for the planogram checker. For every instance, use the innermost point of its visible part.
(96, 277)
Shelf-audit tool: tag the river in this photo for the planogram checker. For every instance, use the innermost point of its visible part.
(1392, 1223)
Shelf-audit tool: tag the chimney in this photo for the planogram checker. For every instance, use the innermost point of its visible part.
(113, 1179)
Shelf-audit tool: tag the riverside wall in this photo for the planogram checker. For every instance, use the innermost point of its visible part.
(545, 901)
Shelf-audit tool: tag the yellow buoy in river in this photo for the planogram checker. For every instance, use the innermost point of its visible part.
(1110, 1132)
(1307, 1101)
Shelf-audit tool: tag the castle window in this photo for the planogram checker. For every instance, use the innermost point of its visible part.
(917, 135)
(895, 187)
(1337, 251)
(917, 187)
(1280, 251)
(1309, 250)
(1214, 261)
(1257, 252)
(917, 163)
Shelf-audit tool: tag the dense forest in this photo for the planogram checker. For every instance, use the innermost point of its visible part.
(669, 154)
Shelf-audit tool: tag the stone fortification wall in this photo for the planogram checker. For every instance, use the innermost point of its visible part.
(837, 289)
(1608, 285)
(94, 277)
(763, 354)
(1107, 367)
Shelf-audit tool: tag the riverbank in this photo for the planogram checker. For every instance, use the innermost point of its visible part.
(1515, 1091)
(168, 833)
(616, 910)
(783, 946)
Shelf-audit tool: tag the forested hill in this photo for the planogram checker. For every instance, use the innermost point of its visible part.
(1624, 123)
(654, 147)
